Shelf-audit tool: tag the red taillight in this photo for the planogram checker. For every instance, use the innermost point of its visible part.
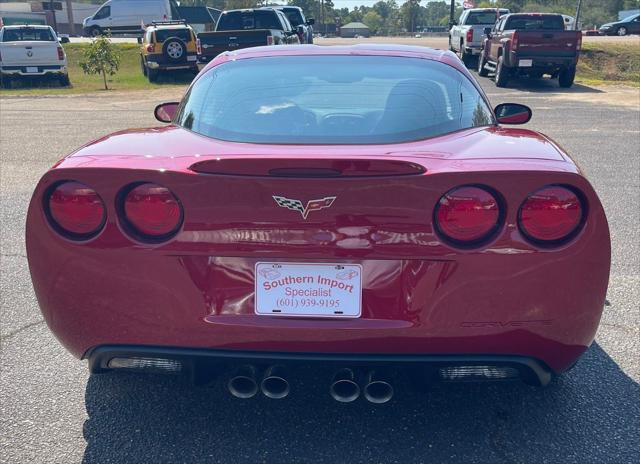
(60, 53)
(75, 210)
(467, 214)
(514, 41)
(470, 35)
(551, 214)
(269, 40)
(579, 43)
(152, 211)
(151, 48)
(198, 47)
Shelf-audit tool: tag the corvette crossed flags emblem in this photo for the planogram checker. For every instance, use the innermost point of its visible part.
(296, 205)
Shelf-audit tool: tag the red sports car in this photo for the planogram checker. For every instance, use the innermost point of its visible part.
(359, 207)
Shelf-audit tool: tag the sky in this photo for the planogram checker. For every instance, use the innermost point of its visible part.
(351, 3)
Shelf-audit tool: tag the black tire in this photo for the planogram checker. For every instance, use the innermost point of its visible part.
(465, 57)
(95, 31)
(502, 73)
(143, 67)
(622, 31)
(64, 80)
(450, 45)
(152, 74)
(195, 70)
(6, 82)
(566, 77)
(482, 61)
(174, 50)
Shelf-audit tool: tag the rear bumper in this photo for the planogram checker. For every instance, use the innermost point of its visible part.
(41, 70)
(160, 62)
(194, 362)
(544, 63)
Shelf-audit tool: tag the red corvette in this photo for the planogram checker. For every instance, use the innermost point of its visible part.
(358, 207)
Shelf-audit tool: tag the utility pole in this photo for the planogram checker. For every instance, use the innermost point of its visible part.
(575, 26)
(452, 13)
(72, 24)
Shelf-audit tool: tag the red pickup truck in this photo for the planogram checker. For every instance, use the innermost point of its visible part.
(531, 44)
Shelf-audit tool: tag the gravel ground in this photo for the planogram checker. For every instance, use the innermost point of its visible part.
(53, 411)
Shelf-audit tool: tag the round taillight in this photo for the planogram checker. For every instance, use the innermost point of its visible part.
(467, 215)
(75, 210)
(551, 214)
(152, 211)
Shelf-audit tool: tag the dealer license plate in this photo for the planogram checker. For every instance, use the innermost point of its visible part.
(308, 290)
(525, 63)
(32, 69)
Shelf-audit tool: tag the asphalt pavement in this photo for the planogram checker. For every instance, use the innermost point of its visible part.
(53, 411)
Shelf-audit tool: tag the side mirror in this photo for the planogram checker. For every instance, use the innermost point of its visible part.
(64, 40)
(512, 113)
(487, 31)
(139, 40)
(165, 112)
(311, 22)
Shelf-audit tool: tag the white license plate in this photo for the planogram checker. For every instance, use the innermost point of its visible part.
(308, 290)
(192, 58)
(32, 69)
(525, 63)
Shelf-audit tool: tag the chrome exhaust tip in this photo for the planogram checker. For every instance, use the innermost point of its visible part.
(243, 383)
(344, 387)
(378, 388)
(274, 384)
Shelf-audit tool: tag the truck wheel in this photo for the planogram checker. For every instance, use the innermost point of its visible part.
(465, 57)
(482, 61)
(95, 31)
(566, 77)
(152, 74)
(174, 49)
(143, 67)
(622, 31)
(451, 45)
(64, 80)
(6, 82)
(502, 74)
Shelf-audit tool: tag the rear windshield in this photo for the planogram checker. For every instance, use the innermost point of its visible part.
(294, 16)
(332, 100)
(30, 34)
(536, 23)
(242, 20)
(481, 17)
(164, 34)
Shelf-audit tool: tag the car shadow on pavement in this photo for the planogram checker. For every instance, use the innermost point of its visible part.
(584, 416)
(546, 85)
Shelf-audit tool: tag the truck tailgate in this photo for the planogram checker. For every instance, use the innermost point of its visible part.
(547, 43)
(29, 53)
(214, 43)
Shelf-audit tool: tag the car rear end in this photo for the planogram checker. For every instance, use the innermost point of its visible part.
(27, 51)
(171, 48)
(539, 43)
(453, 256)
(211, 44)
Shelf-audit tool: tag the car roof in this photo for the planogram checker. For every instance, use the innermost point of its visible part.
(27, 26)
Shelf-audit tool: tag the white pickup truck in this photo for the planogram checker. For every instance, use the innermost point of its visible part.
(27, 51)
(465, 37)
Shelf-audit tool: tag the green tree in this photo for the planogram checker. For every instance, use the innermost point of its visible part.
(101, 57)
(410, 12)
(373, 21)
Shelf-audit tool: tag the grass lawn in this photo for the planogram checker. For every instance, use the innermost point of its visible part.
(600, 63)
(129, 76)
(609, 64)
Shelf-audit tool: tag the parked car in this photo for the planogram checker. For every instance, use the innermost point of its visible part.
(350, 208)
(629, 25)
(465, 37)
(168, 46)
(31, 51)
(128, 16)
(530, 44)
(237, 29)
(303, 26)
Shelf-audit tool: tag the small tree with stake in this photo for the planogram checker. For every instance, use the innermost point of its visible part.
(101, 57)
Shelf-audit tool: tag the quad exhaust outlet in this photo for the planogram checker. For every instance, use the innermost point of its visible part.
(378, 388)
(344, 387)
(275, 384)
(242, 383)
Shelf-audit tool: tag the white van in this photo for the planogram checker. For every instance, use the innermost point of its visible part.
(128, 16)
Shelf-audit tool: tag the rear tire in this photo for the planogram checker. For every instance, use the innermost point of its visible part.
(64, 81)
(482, 61)
(6, 82)
(566, 77)
(95, 31)
(502, 73)
(152, 74)
(465, 57)
(143, 67)
(174, 50)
